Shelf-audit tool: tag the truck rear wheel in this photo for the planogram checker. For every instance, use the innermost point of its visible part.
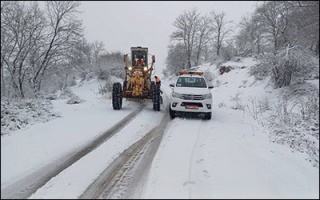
(116, 96)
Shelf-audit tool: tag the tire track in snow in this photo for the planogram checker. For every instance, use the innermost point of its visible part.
(25, 187)
(124, 178)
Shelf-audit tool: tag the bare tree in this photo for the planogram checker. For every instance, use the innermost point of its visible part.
(219, 29)
(112, 64)
(304, 24)
(203, 36)
(64, 29)
(244, 39)
(275, 25)
(81, 57)
(251, 35)
(275, 17)
(97, 49)
(187, 25)
(175, 60)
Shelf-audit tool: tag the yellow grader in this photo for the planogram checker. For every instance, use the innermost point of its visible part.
(137, 83)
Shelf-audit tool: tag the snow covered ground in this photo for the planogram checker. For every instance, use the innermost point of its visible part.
(229, 156)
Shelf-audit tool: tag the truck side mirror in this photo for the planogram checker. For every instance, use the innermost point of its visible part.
(153, 59)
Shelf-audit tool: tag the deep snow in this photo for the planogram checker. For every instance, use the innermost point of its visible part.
(229, 156)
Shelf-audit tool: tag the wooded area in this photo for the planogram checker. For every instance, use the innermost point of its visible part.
(44, 50)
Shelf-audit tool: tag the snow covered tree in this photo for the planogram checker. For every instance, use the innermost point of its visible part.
(292, 64)
(22, 29)
(35, 44)
(81, 58)
(111, 63)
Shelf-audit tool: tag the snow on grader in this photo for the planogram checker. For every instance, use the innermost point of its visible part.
(137, 83)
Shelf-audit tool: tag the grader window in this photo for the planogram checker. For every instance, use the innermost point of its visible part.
(137, 52)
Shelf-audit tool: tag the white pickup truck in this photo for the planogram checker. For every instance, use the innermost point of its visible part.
(190, 95)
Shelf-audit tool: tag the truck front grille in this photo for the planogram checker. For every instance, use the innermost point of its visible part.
(191, 97)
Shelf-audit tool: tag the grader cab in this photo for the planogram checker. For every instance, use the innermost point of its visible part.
(137, 83)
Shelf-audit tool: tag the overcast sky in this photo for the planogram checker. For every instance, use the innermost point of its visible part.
(123, 24)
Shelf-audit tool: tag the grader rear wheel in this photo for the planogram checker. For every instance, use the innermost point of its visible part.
(117, 96)
(156, 97)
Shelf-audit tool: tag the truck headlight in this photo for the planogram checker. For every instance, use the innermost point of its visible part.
(176, 95)
(207, 96)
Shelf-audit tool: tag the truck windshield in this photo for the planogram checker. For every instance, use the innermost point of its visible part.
(197, 82)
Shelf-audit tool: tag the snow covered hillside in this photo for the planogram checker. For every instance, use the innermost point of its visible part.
(245, 151)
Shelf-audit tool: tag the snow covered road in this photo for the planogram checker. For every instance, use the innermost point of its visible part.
(229, 156)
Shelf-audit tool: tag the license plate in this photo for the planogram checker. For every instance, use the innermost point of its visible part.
(191, 107)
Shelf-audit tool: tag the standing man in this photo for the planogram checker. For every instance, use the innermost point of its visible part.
(158, 81)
